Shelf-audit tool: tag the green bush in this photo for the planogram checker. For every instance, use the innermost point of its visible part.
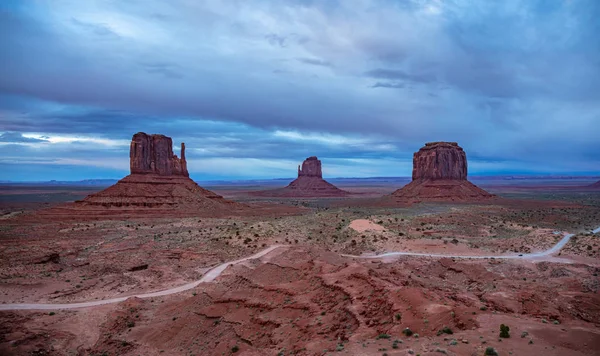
(445, 330)
(490, 351)
(504, 331)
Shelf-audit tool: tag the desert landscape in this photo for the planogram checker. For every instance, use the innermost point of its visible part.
(299, 178)
(156, 264)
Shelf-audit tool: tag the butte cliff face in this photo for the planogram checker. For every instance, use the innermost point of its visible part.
(440, 160)
(159, 185)
(153, 154)
(310, 183)
(311, 167)
(440, 174)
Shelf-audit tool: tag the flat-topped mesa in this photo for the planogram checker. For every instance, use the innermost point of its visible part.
(440, 174)
(440, 160)
(311, 167)
(153, 154)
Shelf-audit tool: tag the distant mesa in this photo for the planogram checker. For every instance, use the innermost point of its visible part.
(595, 185)
(310, 183)
(159, 185)
(440, 174)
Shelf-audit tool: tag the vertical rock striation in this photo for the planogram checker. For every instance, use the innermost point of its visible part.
(311, 167)
(440, 160)
(153, 154)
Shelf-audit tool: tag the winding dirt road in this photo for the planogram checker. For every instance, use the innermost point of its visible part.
(216, 272)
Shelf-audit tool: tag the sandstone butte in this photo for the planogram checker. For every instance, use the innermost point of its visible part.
(158, 185)
(309, 184)
(440, 174)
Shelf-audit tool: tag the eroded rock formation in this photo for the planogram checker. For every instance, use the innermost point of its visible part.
(440, 160)
(311, 167)
(440, 174)
(153, 154)
(310, 183)
(159, 185)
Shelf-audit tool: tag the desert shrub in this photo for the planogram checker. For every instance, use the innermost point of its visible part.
(383, 336)
(490, 351)
(407, 332)
(504, 331)
(445, 330)
(235, 349)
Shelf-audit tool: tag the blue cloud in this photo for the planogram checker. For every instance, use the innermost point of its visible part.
(508, 80)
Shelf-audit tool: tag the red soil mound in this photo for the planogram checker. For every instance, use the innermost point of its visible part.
(442, 190)
(147, 195)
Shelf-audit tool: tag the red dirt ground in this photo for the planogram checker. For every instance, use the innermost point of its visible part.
(306, 299)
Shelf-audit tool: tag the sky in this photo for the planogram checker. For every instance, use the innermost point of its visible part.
(255, 87)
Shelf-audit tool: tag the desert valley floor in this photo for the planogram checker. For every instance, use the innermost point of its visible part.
(311, 295)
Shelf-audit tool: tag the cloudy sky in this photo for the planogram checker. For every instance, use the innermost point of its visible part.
(254, 87)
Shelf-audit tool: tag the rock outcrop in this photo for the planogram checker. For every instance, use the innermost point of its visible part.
(159, 185)
(595, 185)
(153, 154)
(440, 160)
(440, 174)
(309, 184)
(311, 167)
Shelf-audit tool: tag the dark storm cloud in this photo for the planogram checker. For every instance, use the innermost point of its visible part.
(97, 29)
(166, 69)
(315, 62)
(506, 79)
(388, 85)
(400, 75)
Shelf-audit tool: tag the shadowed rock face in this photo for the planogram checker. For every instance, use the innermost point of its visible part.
(311, 167)
(440, 160)
(153, 154)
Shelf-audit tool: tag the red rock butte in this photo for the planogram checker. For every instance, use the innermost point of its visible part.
(595, 185)
(159, 185)
(440, 174)
(309, 184)
(153, 154)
